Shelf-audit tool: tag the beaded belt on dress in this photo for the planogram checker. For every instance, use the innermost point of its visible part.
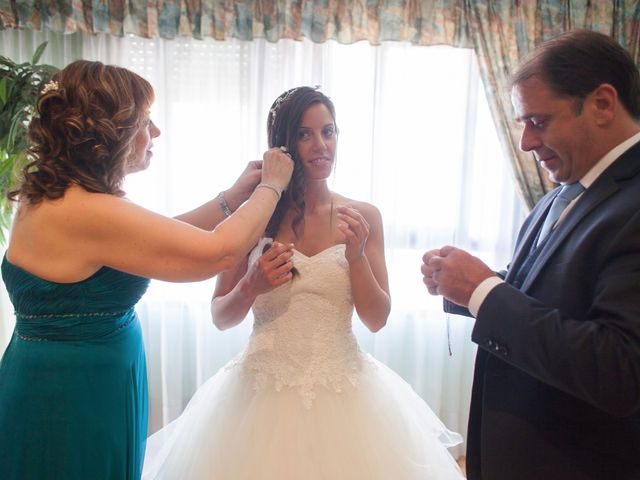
(70, 326)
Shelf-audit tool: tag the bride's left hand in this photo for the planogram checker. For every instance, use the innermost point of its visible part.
(355, 229)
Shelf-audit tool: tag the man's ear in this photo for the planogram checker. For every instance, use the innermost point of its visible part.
(604, 103)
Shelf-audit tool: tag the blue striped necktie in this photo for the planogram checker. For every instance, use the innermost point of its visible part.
(564, 198)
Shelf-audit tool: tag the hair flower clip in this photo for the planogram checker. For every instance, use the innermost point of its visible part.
(50, 86)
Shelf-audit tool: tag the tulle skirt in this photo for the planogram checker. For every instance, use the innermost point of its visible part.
(378, 428)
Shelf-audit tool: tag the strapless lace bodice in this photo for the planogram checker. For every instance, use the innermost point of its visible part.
(302, 333)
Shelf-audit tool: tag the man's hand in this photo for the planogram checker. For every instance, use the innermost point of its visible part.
(453, 273)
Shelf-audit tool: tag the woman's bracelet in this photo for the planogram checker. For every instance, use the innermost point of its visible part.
(271, 187)
(223, 204)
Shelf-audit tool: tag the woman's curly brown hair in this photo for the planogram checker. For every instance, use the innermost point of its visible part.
(283, 124)
(83, 131)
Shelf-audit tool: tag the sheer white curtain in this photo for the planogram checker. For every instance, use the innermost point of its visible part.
(416, 139)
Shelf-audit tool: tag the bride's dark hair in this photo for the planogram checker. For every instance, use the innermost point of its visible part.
(283, 123)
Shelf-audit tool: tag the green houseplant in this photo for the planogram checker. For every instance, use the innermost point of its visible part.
(20, 85)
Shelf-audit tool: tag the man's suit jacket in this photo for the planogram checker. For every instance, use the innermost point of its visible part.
(556, 390)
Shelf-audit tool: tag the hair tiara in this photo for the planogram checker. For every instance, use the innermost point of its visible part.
(283, 99)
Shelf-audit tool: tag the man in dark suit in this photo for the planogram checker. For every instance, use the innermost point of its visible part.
(556, 389)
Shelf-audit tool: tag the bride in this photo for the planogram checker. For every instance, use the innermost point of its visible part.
(303, 402)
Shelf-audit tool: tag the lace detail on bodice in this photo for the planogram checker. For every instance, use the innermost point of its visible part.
(302, 333)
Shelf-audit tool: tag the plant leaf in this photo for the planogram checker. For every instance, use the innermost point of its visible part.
(38, 53)
(3, 91)
(20, 85)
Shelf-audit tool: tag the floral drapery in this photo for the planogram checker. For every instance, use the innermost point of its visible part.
(502, 32)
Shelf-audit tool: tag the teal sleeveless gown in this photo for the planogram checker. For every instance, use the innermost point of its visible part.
(73, 386)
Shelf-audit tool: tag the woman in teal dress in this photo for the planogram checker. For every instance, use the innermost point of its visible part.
(73, 391)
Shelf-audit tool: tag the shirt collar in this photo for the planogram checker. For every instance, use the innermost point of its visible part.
(608, 159)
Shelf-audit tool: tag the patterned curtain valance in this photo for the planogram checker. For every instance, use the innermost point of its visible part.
(501, 32)
(346, 21)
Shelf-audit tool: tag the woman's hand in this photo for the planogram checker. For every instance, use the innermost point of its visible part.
(272, 269)
(356, 231)
(277, 167)
(243, 187)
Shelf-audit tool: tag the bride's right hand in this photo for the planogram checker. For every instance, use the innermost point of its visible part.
(277, 167)
(272, 269)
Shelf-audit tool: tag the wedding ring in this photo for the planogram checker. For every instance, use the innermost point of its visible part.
(284, 149)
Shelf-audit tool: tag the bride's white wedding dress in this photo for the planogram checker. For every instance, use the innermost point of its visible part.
(303, 402)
